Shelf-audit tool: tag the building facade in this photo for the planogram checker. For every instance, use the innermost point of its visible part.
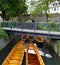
(54, 7)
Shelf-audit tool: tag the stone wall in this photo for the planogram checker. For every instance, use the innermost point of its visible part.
(42, 17)
(53, 44)
(3, 43)
(37, 18)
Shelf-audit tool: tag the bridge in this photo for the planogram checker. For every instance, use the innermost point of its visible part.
(45, 29)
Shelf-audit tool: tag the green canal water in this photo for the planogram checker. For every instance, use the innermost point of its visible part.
(54, 60)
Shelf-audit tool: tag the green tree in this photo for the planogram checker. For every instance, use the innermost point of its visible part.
(12, 8)
(32, 2)
(42, 5)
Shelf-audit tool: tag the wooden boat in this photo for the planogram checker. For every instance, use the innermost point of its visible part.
(24, 37)
(39, 39)
(15, 57)
(33, 59)
(31, 38)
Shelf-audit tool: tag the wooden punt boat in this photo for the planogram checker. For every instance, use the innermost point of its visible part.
(39, 39)
(33, 59)
(15, 57)
(31, 38)
(24, 37)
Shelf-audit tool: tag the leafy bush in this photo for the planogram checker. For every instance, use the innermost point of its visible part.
(58, 43)
(3, 34)
(52, 26)
(42, 26)
(0, 24)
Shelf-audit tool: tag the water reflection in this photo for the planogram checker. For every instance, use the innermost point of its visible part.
(45, 54)
(48, 55)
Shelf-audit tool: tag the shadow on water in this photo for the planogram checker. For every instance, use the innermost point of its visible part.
(5, 51)
(55, 60)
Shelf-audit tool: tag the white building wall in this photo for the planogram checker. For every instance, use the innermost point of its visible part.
(54, 10)
(59, 8)
(54, 7)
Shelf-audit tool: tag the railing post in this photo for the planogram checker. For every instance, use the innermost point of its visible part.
(22, 26)
(35, 26)
(9, 24)
(11, 27)
(48, 28)
(16, 24)
(59, 26)
(25, 24)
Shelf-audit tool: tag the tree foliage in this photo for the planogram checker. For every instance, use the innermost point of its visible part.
(11, 8)
(32, 2)
(42, 5)
(3, 34)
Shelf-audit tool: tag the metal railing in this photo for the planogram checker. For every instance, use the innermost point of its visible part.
(51, 26)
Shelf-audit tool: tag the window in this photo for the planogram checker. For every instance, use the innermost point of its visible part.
(54, 9)
(59, 3)
(53, 4)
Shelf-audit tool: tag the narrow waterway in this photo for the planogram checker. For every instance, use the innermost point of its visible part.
(48, 55)
(51, 61)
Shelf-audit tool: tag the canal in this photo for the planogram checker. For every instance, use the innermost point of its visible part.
(48, 55)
